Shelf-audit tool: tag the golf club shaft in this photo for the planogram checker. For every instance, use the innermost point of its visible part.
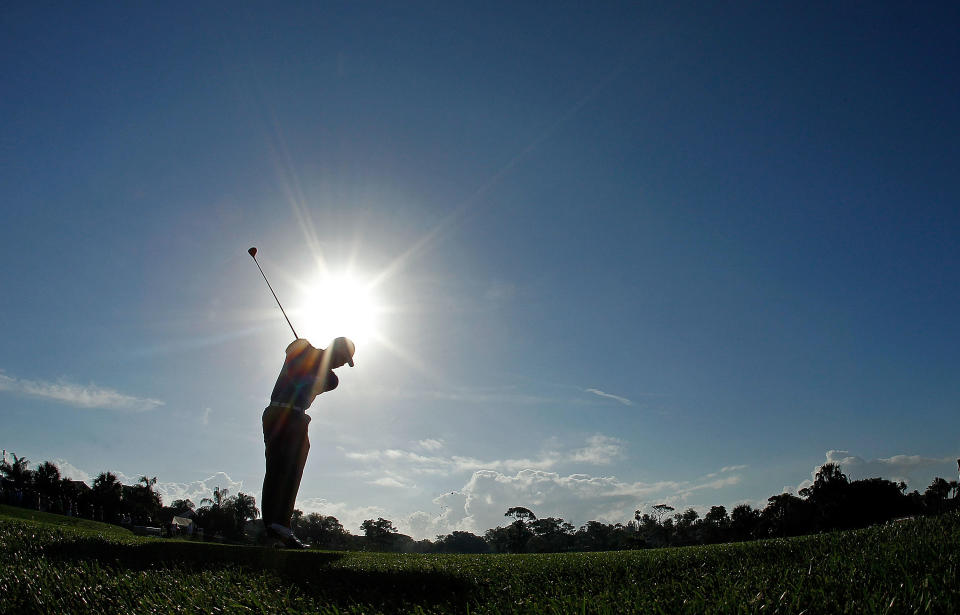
(275, 296)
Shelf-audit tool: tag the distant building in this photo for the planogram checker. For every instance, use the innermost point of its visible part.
(183, 525)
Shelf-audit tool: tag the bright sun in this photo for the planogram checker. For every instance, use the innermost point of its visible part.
(335, 305)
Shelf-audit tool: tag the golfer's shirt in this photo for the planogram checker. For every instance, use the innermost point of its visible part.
(302, 378)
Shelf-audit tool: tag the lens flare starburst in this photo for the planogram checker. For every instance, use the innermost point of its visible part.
(338, 304)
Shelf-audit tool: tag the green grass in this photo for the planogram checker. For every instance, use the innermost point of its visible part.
(48, 519)
(61, 565)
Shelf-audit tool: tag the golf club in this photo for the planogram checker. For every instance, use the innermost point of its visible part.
(253, 252)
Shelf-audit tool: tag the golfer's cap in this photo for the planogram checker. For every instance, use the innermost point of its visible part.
(344, 347)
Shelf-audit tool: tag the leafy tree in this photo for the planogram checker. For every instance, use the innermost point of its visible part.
(518, 532)
(551, 535)
(322, 531)
(595, 536)
(685, 526)
(142, 501)
(652, 528)
(380, 533)
(647, 528)
(461, 542)
(743, 522)
(107, 495)
(499, 539)
(717, 516)
(829, 497)
(936, 495)
(183, 504)
(659, 510)
(786, 515)
(520, 514)
(715, 526)
(875, 500)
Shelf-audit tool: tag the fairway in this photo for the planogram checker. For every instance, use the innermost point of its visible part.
(54, 564)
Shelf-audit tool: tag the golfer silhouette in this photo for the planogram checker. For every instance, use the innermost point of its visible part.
(306, 373)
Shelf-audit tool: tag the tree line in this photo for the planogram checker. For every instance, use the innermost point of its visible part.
(221, 516)
(832, 502)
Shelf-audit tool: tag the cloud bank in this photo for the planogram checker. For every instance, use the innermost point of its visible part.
(199, 489)
(398, 467)
(480, 504)
(89, 396)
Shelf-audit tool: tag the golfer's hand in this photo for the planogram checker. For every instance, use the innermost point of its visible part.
(299, 346)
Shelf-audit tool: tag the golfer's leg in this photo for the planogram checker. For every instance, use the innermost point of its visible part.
(298, 446)
(274, 423)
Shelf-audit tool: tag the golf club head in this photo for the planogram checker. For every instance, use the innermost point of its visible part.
(252, 252)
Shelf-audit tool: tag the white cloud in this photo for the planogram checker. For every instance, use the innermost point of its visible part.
(424, 525)
(733, 468)
(198, 489)
(915, 470)
(430, 444)
(68, 470)
(599, 393)
(390, 481)
(600, 450)
(481, 503)
(205, 417)
(83, 396)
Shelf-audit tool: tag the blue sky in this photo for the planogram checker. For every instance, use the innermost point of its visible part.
(617, 255)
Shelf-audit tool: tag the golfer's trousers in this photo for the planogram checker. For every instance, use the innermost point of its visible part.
(287, 445)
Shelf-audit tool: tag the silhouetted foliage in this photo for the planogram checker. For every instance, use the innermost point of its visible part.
(321, 531)
(551, 535)
(108, 496)
(141, 502)
(499, 539)
(381, 534)
(182, 505)
(461, 542)
(743, 522)
(831, 502)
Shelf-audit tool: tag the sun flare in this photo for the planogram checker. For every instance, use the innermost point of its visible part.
(335, 305)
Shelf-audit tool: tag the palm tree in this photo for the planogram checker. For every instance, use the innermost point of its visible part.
(143, 501)
(937, 493)
(46, 479)
(219, 497)
(244, 508)
(17, 472)
(47, 476)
